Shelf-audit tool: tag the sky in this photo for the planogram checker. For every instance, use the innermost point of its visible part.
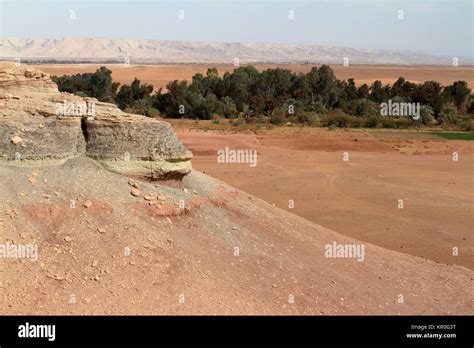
(440, 27)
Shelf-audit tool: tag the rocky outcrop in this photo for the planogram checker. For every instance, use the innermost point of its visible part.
(39, 124)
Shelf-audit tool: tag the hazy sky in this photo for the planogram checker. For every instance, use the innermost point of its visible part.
(443, 27)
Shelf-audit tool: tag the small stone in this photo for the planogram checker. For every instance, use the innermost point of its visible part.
(16, 140)
(101, 230)
(68, 239)
(135, 192)
(87, 204)
(94, 263)
(32, 180)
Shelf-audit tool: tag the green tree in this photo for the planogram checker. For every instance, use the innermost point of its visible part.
(377, 92)
(458, 93)
(142, 107)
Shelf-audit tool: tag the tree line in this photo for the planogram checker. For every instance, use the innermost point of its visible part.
(278, 95)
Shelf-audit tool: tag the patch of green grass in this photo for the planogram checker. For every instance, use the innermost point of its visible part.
(455, 135)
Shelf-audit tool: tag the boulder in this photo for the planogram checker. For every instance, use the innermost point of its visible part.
(39, 124)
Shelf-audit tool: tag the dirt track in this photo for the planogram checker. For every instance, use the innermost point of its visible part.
(358, 198)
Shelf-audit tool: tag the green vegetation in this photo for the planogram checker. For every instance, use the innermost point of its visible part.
(278, 96)
(455, 135)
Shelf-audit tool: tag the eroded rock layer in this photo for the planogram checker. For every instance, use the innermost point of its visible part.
(39, 124)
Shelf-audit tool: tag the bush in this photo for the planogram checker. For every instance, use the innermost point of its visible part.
(238, 121)
(142, 107)
(215, 119)
(278, 116)
(363, 107)
(319, 108)
(338, 120)
(307, 117)
(467, 125)
(426, 115)
(448, 117)
(261, 120)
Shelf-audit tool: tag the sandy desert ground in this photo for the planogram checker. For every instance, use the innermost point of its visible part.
(227, 253)
(358, 198)
(160, 75)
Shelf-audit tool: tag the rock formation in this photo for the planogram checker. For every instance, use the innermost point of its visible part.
(40, 124)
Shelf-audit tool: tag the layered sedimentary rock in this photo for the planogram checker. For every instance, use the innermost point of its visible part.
(39, 124)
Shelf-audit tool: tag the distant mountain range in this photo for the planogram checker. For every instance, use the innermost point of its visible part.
(152, 51)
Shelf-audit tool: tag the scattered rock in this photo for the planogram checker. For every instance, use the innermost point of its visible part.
(87, 204)
(32, 180)
(135, 192)
(16, 140)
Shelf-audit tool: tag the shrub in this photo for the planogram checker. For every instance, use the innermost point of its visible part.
(238, 121)
(308, 118)
(337, 120)
(319, 108)
(142, 107)
(426, 115)
(278, 116)
(467, 125)
(261, 120)
(215, 119)
(448, 117)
